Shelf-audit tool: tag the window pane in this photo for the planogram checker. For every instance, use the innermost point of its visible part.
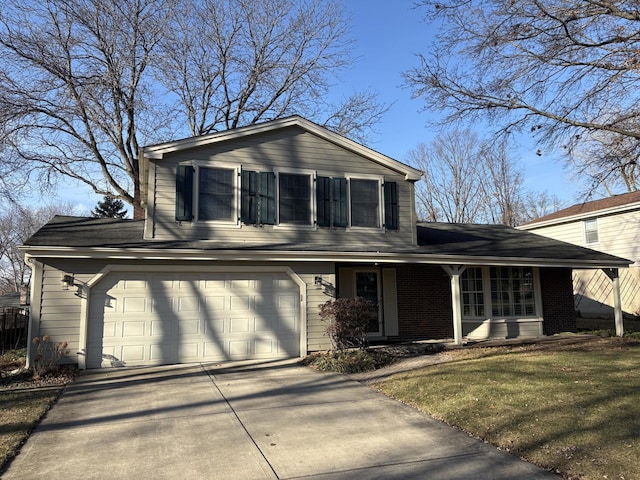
(512, 292)
(365, 203)
(591, 231)
(215, 194)
(295, 199)
(472, 294)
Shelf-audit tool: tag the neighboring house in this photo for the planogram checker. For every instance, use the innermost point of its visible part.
(610, 225)
(248, 231)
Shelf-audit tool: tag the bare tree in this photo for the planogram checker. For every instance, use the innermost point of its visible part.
(238, 62)
(539, 204)
(451, 190)
(17, 224)
(605, 162)
(560, 70)
(502, 184)
(85, 83)
(470, 180)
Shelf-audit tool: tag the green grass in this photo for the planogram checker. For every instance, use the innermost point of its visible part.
(20, 411)
(573, 406)
(21, 407)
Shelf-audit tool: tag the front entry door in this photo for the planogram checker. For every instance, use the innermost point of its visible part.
(368, 286)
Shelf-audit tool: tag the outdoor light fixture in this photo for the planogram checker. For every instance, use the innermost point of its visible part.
(318, 281)
(67, 281)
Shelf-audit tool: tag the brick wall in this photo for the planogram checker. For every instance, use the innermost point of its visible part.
(557, 300)
(424, 302)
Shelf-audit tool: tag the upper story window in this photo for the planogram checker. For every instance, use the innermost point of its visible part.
(297, 199)
(591, 231)
(365, 203)
(216, 194)
(294, 199)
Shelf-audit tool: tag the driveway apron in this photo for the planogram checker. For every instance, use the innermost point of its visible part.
(247, 420)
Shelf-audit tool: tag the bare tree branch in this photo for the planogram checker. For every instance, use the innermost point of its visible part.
(84, 83)
(559, 70)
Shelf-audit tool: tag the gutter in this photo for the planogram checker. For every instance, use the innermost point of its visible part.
(149, 254)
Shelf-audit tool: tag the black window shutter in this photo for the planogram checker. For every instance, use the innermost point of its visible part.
(391, 206)
(249, 196)
(323, 201)
(339, 200)
(184, 193)
(267, 203)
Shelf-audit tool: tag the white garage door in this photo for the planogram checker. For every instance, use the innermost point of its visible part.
(163, 318)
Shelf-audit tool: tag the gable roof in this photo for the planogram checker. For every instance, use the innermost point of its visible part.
(604, 206)
(470, 244)
(157, 151)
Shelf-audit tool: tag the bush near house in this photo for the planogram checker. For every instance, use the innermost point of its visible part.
(348, 323)
(349, 320)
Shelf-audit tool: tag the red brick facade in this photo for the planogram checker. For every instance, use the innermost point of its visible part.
(424, 302)
(557, 300)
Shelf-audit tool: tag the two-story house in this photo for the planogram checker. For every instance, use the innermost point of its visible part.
(248, 231)
(610, 225)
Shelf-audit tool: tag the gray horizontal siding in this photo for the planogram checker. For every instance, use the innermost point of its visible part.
(287, 149)
(501, 329)
(60, 310)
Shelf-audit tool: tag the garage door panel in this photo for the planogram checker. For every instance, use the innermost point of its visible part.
(188, 304)
(214, 304)
(158, 318)
(214, 326)
(132, 328)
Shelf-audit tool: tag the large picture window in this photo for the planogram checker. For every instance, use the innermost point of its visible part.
(216, 194)
(365, 203)
(295, 199)
(512, 291)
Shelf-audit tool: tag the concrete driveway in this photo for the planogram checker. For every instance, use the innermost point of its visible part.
(272, 420)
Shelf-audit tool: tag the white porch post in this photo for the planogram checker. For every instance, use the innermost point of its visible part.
(613, 274)
(454, 272)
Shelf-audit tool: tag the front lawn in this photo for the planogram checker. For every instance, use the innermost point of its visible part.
(571, 406)
(23, 400)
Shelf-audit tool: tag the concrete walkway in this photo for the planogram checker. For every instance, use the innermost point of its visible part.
(273, 420)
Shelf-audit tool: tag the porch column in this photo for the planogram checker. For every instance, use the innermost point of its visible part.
(454, 272)
(613, 274)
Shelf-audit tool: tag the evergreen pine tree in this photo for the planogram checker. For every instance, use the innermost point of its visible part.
(109, 207)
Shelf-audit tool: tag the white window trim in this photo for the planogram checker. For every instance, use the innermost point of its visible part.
(380, 180)
(235, 220)
(312, 193)
(483, 274)
(584, 230)
(488, 305)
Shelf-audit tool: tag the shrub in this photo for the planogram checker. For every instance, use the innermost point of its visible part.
(349, 362)
(349, 320)
(48, 355)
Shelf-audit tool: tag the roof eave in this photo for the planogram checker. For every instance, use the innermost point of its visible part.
(581, 216)
(153, 254)
(158, 151)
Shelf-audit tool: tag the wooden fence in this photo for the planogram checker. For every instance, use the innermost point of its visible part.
(13, 328)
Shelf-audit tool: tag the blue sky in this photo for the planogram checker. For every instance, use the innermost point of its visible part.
(388, 35)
